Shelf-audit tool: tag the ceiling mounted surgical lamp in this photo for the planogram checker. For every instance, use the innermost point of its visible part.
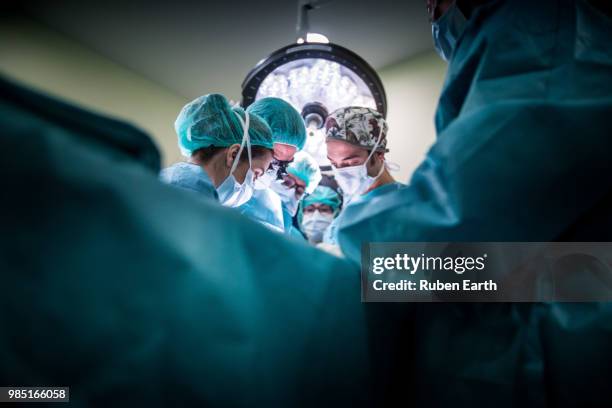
(316, 77)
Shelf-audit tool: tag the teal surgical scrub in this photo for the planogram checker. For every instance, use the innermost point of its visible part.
(523, 153)
(360, 204)
(189, 176)
(137, 294)
(265, 207)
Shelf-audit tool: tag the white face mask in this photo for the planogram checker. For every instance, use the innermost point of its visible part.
(447, 30)
(287, 195)
(315, 224)
(265, 180)
(354, 180)
(231, 193)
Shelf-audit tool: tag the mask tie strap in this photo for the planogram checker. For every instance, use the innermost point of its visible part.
(245, 140)
(391, 166)
(375, 145)
(382, 168)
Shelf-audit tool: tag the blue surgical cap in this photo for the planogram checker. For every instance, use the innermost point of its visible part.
(210, 121)
(286, 123)
(323, 195)
(307, 169)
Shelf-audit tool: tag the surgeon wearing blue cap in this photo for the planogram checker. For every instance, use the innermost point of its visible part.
(289, 137)
(318, 209)
(303, 176)
(227, 150)
(288, 130)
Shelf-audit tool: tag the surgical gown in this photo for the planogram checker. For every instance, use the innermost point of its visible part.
(190, 177)
(289, 227)
(265, 207)
(523, 154)
(330, 237)
(136, 293)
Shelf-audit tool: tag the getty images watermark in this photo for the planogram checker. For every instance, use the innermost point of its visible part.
(487, 272)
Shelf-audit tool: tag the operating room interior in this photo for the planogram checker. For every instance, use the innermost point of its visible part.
(277, 203)
(144, 68)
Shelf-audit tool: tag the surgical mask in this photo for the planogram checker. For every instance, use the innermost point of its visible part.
(354, 180)
(446, 30)
(231, 193)
(314, 225)
(265, 180)
(287, 196)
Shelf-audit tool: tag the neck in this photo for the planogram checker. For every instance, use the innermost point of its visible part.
(385, 178)
(209, 168)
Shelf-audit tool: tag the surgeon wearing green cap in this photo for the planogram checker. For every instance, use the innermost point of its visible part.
(318, 209)
(303, 176)
(289, 137)
(288, 130)
(227, 150)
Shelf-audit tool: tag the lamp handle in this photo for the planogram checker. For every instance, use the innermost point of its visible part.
(303, 23)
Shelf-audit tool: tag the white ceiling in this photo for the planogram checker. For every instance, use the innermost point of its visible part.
(194, 48)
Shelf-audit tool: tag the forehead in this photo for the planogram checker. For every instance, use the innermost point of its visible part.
(339, 149)
(318, 205)
(284, 152)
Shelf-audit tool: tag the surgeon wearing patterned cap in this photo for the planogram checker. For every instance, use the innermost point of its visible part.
(356, 140)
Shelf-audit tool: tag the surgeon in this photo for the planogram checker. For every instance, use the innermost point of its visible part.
(318, 209)
(356, 146)
(303, 177)
(289, 137)
(522, 154)
(138, 295)
(288, 129)
(228, 150)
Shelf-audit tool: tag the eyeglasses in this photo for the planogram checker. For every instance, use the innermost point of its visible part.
(290, 182)
(322, 208)
(278, 168)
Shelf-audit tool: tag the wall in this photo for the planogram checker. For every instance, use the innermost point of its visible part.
(412, 87)
(44, 59)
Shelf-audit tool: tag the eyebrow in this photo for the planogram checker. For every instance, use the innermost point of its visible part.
(355, 156)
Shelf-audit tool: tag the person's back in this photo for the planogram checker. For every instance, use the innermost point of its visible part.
(523, 154)
(523, 135)
(191, 177)
(136, 293)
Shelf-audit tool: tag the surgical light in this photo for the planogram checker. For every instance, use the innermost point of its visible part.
(316, 77)
(314, 38)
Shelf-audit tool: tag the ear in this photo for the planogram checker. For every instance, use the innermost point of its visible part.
(377, 157)
(231, 154)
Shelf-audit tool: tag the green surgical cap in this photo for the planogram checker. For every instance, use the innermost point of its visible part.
(210, 121)
(286, 123)
(307, 169)
(323, 195)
